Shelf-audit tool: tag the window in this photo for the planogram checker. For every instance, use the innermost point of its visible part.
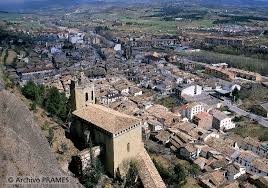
(92, 95)
(86, 97)
(128, 147)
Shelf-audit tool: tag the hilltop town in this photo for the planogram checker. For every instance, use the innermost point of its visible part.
(144, 105)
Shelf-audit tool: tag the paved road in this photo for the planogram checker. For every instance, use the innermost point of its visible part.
(261, 120)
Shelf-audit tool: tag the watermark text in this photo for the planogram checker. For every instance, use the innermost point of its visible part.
(38, 180)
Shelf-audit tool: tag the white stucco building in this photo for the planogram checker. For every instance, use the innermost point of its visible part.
(221, 121)
(190, 90)
(191, 109)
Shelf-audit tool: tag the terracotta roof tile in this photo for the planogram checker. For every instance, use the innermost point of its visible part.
(106, 118)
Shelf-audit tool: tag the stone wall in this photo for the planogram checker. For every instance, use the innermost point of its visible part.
(106, 142)
(127, 146)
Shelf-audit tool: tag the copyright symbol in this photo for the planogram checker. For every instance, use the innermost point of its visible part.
(10, 180)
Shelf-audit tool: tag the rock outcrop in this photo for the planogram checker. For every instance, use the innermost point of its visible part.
(1, 79)
(24, 150)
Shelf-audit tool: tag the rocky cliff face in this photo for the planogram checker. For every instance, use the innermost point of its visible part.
(1, 79)
(24, 150)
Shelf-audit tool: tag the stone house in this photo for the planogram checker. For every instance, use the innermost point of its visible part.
(212, 179)
(35, 72)
(259, 167)
(253, 164)
(123, 88)
(188, 152)
(201, 162)
(203, 120)
(177, 141)
(186, 65)
(233, 171)
(154, 125)
(220, 73)
(163, 137)
(135, 91)
(163, 115)
(255, 146)
(110, 97)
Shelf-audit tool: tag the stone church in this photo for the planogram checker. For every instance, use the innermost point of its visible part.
(119, 135)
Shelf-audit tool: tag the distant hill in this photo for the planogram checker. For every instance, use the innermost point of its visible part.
(234, 2)
(17, 5)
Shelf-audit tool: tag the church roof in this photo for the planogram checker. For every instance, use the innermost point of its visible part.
(106, 118)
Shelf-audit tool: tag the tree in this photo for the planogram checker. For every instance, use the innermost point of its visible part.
(132, 176)
(164, 172)
(235, 94)
(179, 174)
(194, 170)
(93, 172)
(33, 106)
(51, 99)
(50, 136)
(264, 137)
(34, 92)
(56, 103)
(257, 109)
(68, 46)
(175, 176)
(30, 90)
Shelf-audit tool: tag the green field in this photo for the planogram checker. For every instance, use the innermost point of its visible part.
(138, 20)
(251, 129)
(14, 19)
(242, 62)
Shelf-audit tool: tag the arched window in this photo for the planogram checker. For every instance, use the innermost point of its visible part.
(86, 97)
(128, 147)
(92, 95)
